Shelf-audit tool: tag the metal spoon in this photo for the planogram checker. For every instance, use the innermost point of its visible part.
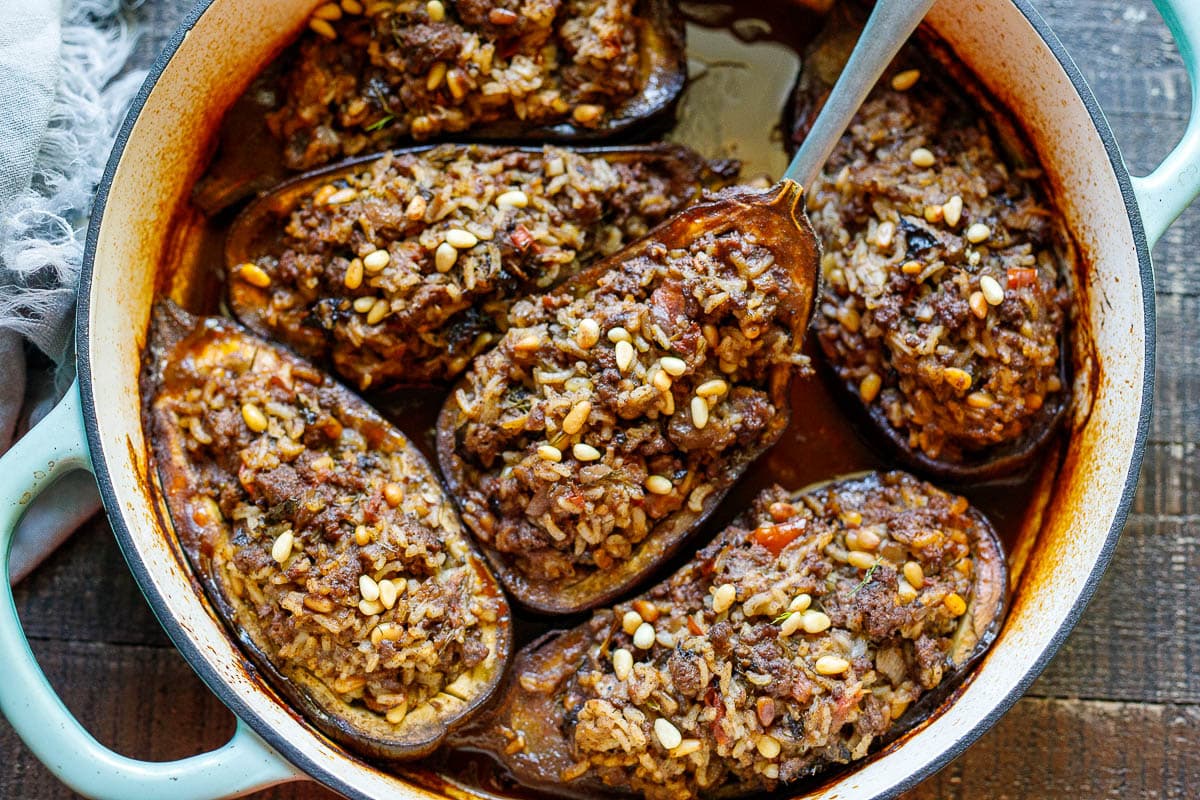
(885, 33)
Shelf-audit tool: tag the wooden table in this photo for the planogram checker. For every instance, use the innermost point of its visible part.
(1117, 714)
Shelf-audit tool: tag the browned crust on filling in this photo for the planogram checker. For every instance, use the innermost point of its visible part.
(793, 642)
(630, 403)
(414, 69)
(944, 300)
(323, 536)
(400, 270)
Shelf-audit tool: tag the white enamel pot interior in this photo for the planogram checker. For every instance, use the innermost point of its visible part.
(1061, 553)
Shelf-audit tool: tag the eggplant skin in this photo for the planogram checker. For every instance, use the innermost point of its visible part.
(301, 266)
(618, 410)
(395, 75)
(948, 271)
(798, 642)
(322, 538)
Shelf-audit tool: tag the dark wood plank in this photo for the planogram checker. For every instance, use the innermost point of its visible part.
(84, 591)
(144, 702)
(1137, 641)
(1077, 749)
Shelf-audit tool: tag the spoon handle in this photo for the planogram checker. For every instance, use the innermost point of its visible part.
(885, 33)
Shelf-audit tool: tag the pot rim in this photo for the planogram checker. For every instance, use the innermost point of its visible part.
(322, 773)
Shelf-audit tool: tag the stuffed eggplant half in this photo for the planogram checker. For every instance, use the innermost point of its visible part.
(400, 268)
(617, 410)
(947, 268)
(371, 73)
(817, 626)
(323, 539)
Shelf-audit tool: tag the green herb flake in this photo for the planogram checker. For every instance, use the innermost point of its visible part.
(867, 578)
(380, 123)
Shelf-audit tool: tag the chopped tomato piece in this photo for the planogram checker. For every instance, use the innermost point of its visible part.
(1021, 276)
(777, 537)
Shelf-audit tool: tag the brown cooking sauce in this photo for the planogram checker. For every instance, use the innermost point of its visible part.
(821, 442)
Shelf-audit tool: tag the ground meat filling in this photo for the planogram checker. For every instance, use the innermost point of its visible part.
(792, 642)
(943, 303)
(600, 415)
(342, 546)
(403, 272)
(361, 82)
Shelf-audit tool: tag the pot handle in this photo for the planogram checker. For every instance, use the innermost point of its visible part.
(1168, 190)
(55, 446)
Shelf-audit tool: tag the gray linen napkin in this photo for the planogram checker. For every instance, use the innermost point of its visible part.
(63, 92)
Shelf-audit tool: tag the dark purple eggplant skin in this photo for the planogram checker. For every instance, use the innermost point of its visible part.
(823, 61)
(174, 336)
(531, 702)
(776, 215)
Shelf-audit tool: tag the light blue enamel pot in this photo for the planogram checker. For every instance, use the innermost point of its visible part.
(1066, 545)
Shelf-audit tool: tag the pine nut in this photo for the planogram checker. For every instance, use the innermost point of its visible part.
(868, 387)
(585, 452)
(619, 334)
(768, 746)
(378, 311)
(550, 453)
(435, 10)
(625, 355)
(643, 637)
(992, 291)
(388, 592)
(831, 665)
(377, 260)
(978, 305)
(630, 622)
(437, 74)
(588, 334)
(512, 199)
(903, 81)
(254, 418)
(368, 588)
(955, 604)
(673, 366)
(699, 413)
(354, 274)
(576, 418)
(723, 598)
(622, 661)
(322, 28)
(713, 388)
(657, 484)
(686, 748)
(815, 621)
(952, 211)
(978, 232)
(461, 239)
(668, 735)
(254, 275)
(922, 157)
(860, 560)
(914, 574)
(281, 550)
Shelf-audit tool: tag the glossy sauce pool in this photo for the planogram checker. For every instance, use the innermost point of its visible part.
(743, 60)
